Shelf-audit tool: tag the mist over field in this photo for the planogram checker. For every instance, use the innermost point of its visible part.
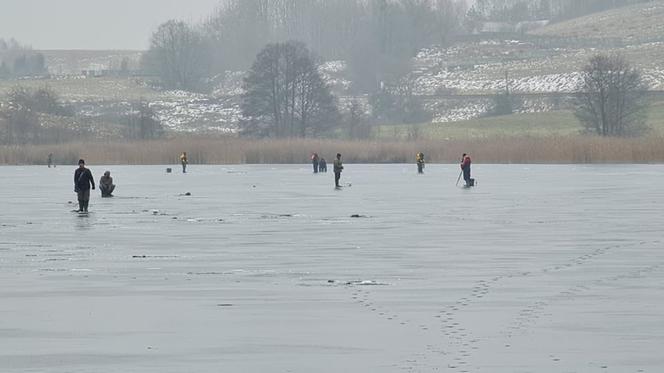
(93, 24)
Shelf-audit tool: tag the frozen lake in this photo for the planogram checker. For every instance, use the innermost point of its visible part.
(262, 269)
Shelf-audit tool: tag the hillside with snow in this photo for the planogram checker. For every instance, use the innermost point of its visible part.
(457, 81)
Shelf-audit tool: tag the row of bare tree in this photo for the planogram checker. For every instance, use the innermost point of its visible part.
(39, 116)
(377, 38)
(285, 94)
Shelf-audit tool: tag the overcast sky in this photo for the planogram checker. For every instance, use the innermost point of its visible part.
(93, 24)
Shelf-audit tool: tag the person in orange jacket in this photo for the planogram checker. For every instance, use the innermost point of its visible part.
(184, 161)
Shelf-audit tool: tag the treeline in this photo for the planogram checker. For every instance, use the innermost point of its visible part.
(377, 38)
(530, 10)
(285, 96)
(39, 116)
(17, 60)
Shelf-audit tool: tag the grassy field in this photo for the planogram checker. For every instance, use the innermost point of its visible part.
(89, 89)
(655, 119)
(526, 125)
(554, 123)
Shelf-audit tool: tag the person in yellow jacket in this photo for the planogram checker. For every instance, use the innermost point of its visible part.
(420, 163)
(184, 161)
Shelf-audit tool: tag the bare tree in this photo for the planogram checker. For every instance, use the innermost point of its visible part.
(142, 122)
(178, 56)
(285, 94)
(18, 60)
(612, 99)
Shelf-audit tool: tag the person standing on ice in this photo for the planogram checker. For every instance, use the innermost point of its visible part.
(184, 161)
(465, 167)
(338, 167)
(420, 163)
(82, 181)
(315, 162)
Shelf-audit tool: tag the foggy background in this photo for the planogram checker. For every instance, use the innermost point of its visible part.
(94, 24)
(347, 70)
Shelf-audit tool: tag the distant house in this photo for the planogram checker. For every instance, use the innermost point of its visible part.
(527, 26)
(496, 28)
(92, 73)
(507, 28)
(94, 70)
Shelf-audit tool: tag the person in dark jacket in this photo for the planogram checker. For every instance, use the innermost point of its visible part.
(82, 181)
(338, 167)
(50, 160)
(322, 165)
(465, 167)
(315, 161)
(420, 162)
(106, 185)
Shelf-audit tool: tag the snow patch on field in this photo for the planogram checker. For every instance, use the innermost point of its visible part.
(230, 84)
(431, 85)
(333, 72)
(461, 113)
(480, 67)
(191, 112)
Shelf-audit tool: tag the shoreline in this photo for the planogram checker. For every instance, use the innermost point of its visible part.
(576, 149)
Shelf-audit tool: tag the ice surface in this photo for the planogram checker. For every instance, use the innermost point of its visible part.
(263, 269)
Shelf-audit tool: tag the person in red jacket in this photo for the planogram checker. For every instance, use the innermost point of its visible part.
(465, 167)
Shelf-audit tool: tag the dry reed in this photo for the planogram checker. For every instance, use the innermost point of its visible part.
(572, 149)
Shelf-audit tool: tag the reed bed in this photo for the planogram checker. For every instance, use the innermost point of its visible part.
(565, 149)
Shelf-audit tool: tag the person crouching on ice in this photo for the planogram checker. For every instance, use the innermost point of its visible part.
(106, 185)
